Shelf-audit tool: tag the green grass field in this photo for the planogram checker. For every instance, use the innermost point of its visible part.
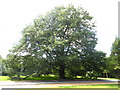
(4, 78)
(106, 78)
(52, 77)
(49, 77)
(92, 86)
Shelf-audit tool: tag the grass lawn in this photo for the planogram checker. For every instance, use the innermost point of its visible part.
(4, 78)
(50, 77)
(91, 86)
(106, 78)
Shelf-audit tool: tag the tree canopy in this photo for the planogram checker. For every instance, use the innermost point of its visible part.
(114, 59)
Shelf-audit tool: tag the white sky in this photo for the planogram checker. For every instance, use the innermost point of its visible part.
(16, 14)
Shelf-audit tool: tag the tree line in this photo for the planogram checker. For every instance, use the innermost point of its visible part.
(61, 42)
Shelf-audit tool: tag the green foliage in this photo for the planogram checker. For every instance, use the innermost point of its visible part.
(115, 58)
(24, 65)
(2, 66)
(113, 62)
(90, 67)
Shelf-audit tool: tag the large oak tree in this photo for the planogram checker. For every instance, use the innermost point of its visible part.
(62, 36)
(59, 40)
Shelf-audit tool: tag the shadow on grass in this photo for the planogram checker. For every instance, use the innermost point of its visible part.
(52, 78)
(48, 77)
(56, 78)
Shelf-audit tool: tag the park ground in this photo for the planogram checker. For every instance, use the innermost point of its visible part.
(5, 82)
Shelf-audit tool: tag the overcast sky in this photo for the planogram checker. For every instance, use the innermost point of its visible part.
(16, 14)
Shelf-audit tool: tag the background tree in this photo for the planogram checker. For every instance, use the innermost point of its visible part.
(114, 59)
(0, 65)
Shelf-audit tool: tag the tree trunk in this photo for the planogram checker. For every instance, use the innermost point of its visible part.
(62, 73)
(106, 75)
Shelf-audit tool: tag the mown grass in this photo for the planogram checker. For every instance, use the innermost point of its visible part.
(4, 78)
(91, 86)
(50, 77)
(53, 77)
(43, 77)
(106, 78)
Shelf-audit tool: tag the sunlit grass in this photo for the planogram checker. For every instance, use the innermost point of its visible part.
(79, 76)
(91, 86)
(107, 78)
(4, 78)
